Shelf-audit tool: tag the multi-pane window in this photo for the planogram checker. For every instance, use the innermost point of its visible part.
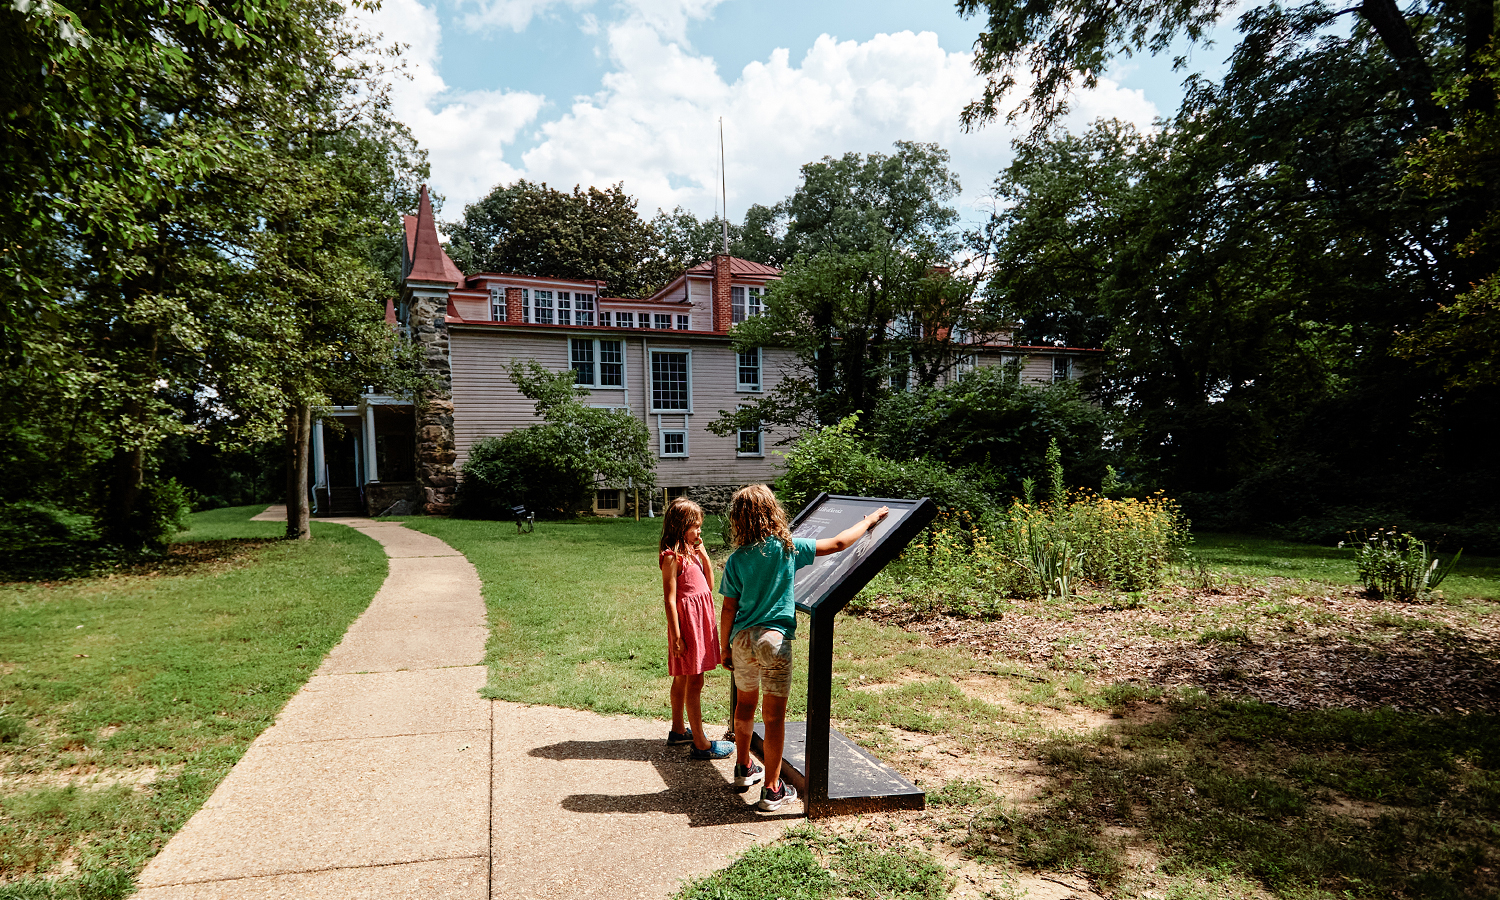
(583, 361)
(497, 304)
(744, 302)
(669, 380)
(583, 309)
(966, 363)
(607, 500)
(664, 321)
(749, 442)
(611, 363)
(625, 319)
(900, 379)
(597, 363)
(749, 370)
(541, 307)
(525, 304)
(684, 323)
(605, 319)
(564, 308)
(1062, 368)
(674, 443)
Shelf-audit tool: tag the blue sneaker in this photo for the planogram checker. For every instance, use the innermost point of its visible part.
(685, 736)
(714, 750)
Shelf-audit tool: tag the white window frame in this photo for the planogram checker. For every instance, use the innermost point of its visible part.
(497, 304)
(1066, 364)
(661, 321)
(592, 346)
(745, 302)
(526, 305)
(619, 499)
(662, 442)
(621, 316)
(606, 318)
(745, 387)
(966, 362)
(651, 380)
(565, 308)
(760, 442)
(583, 309)
(597, 349)
(684, 323)
(897, 357)
(542, 312)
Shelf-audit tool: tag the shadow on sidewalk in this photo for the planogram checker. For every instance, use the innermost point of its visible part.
(695, 788)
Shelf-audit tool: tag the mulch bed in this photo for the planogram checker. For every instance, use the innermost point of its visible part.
(1338, 650)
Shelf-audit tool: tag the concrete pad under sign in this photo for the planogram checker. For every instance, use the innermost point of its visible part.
(391, 650)
(336, 804)
(446, 879)
(345, 707)
(625, 815)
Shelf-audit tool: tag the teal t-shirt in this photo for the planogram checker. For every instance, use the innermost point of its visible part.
(760, 576)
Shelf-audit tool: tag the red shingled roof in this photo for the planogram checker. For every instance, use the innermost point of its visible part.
(737, 266)
(428, 261)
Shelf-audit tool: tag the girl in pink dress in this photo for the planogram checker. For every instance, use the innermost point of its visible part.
(687, 581)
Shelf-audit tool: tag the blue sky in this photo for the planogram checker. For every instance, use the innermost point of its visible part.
(582, 92)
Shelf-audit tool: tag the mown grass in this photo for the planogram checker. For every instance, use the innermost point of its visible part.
(127, 698)
(1238, 799)
(1248, 556)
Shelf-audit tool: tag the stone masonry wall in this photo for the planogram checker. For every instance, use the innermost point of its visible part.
(435, 448)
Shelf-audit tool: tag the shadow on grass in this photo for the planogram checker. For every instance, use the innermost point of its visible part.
(1347, 803)
(695, 789)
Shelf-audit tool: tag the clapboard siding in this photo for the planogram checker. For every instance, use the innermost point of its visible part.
(487, 404)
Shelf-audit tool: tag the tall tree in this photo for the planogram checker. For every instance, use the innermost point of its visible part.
(532, 229)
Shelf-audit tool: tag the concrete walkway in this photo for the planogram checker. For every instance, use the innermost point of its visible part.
(388, 776)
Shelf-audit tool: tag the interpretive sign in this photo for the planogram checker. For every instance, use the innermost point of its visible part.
(834, 774)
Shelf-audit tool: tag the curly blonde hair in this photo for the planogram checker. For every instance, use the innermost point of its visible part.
(755, 515)
(680, 515)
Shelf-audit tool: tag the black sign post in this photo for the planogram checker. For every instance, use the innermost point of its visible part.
(834, 774)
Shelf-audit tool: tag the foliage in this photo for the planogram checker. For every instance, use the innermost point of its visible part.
(1398, 566)
(201, 193)
(835, 460)
(871, 294)
(988, 421)
(552, 467)
(41, 541)
(533, 229)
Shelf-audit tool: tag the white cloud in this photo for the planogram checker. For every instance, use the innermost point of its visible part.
(653, 124)
(513, 14)
(463, 132)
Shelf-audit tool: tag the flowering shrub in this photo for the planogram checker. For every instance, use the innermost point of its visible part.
(1398, 566)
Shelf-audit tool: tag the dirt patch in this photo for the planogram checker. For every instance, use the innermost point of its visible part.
(195, 557)
(84, 777)
(1333, 648)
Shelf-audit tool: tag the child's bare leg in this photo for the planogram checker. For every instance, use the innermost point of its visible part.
(773, 714)
(744, 725)
(679, 698)
(693, 705)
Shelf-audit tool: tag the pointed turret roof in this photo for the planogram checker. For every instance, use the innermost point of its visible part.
(428, 261)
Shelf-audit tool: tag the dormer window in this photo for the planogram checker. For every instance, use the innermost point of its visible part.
(497, 304)
(541, 307)
(583, 309)
(564, 308)
(745, 302)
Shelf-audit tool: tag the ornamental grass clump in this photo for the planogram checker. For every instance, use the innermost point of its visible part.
(1397, 566)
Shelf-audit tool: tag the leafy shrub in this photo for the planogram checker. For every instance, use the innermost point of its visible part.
(835, 460)
(1398, 566)
(161, 511)
(553, 467)
(41, 541)
(535, 467)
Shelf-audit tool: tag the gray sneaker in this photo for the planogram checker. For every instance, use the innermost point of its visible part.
(744, 776)
(770, 800)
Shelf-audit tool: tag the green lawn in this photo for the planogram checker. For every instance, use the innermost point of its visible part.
(1259, 557)
(127, 698)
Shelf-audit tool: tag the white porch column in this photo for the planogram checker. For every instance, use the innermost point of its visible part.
(371, 474)
(320, 466)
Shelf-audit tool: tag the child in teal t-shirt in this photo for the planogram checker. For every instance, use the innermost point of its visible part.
(758, 622)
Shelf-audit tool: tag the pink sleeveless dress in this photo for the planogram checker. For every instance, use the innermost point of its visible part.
(695, 618)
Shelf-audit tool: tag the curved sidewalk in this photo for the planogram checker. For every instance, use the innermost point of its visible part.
(388, 776)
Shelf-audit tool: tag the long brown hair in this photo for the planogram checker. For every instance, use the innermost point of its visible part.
(680, 515)
(755, 515)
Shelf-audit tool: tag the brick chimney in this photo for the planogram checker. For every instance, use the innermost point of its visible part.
(513, 309)
(723, 308)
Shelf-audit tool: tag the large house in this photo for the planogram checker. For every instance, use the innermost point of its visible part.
(666, 358)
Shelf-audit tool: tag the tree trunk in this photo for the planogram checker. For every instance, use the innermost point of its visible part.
(298, 434)
(1395, 33)
(127, 469)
